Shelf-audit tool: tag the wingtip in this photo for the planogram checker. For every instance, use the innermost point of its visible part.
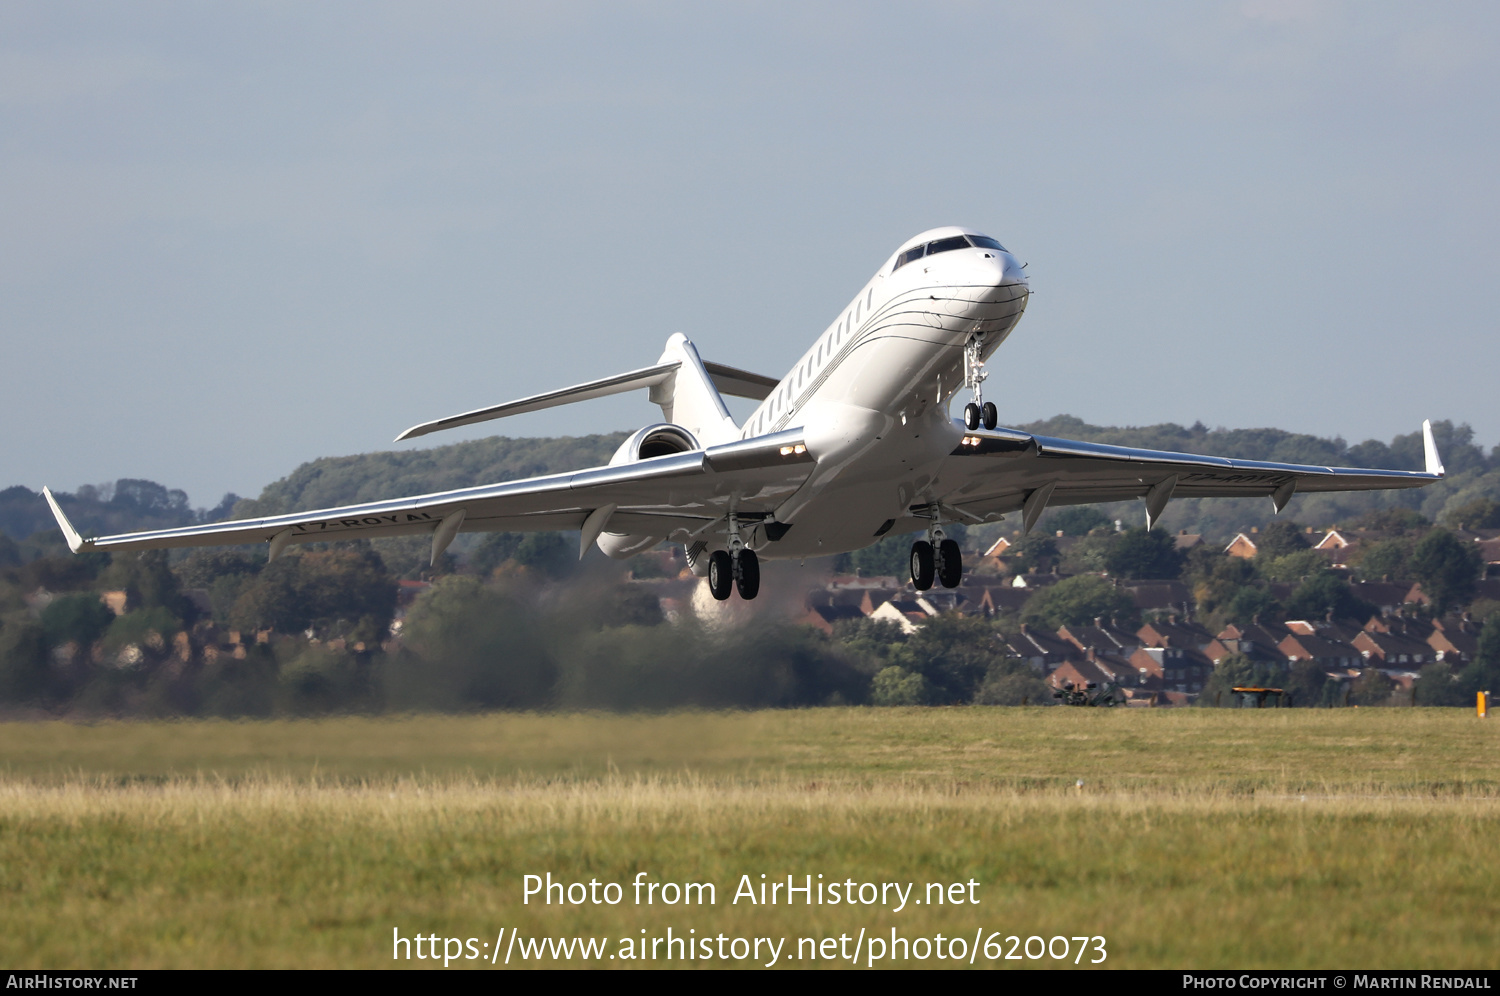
(75, 541)
(1430, 450)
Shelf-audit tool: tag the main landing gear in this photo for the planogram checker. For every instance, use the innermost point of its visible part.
(978, 411)
(936, 557)
(737, 567)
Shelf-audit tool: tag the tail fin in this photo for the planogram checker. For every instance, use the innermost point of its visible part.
(688, 397)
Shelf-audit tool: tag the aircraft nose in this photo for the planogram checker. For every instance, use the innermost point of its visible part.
(1011, 272)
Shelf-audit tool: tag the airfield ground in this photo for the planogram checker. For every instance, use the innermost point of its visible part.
(1352, 838)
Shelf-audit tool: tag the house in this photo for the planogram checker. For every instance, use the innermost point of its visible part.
(1104, 637)
(1243, 544)
(994, 600)
(1185, 541)
(1174, 632)
(1100, 669)
(1043, 651)
(1257, 641)
(1393, 650)
(1035, 579)
(1454, 640)
(1157, 596)
(1329, 653)
(1388, 596)
(823, 617)
(1169, 668)
(908, 614)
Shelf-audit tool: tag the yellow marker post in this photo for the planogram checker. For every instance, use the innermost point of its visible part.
(1483, 705)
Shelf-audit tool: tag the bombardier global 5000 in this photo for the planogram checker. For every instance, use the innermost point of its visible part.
(855, 443)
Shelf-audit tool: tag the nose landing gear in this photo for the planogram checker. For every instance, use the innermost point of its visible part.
(979, 411)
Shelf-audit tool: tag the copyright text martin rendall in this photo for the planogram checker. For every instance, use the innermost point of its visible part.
(1338, 980)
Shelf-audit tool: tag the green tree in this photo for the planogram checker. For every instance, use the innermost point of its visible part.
(80, 619)
(896, 686)
(344, 592)
(1249, 604)
(23, 661)
(1385, 558)
(1437, 685)
(1077, 520)
(1397, 521)
(492, 551)
(472, 646)
(1292, 567)
(1239, 671)
(890, 556)
(1011, 684)
(1372, 688)
(1326, 593)
(1036, 550)
(1078, 601)
(1138, 553)
(1448, 569)
(1306, 684)
(870, 639)
(1481, 513)
(952, 653)
(550, 554)
(1279, 539)
(148, 581)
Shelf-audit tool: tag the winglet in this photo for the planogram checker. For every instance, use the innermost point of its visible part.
(1429, 445)
(75, 541)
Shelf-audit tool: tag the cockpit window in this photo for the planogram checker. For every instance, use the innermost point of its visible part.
(947, 245)
(915, 252)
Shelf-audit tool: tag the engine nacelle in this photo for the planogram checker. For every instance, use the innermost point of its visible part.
(662, 439)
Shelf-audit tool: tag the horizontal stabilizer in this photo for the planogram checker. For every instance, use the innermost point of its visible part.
(618, 384)
(740, 383)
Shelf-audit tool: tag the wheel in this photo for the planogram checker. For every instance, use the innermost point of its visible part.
(971, 416)
(747, 574)
(950, 564)
(990, 415)
(921, 565)
(720, 574)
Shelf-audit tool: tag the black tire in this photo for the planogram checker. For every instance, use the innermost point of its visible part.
(720, 574)
(971, 416)
(747, 574)
(921, 565)
(989, 415)
(950, 564)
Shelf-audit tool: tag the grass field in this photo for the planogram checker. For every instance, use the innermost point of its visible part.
(1198, 838)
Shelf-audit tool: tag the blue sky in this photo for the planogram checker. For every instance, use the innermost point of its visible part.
(234, 237)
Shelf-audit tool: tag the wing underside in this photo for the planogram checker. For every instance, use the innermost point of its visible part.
(653, 497)
(1002, 471)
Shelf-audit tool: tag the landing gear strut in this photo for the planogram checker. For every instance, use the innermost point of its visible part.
(936, 558)
(978, 411)
(736, 567)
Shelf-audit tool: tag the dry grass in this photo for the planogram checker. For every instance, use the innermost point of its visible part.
(1199, 839)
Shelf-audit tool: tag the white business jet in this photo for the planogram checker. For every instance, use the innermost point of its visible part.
(855, 443)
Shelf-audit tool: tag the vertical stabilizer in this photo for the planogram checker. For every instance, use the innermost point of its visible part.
(688, 396)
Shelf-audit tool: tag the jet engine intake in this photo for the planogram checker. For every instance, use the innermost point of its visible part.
(661, 439)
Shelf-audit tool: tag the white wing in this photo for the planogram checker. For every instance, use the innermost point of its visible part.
(654, 497)
(999, 471)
